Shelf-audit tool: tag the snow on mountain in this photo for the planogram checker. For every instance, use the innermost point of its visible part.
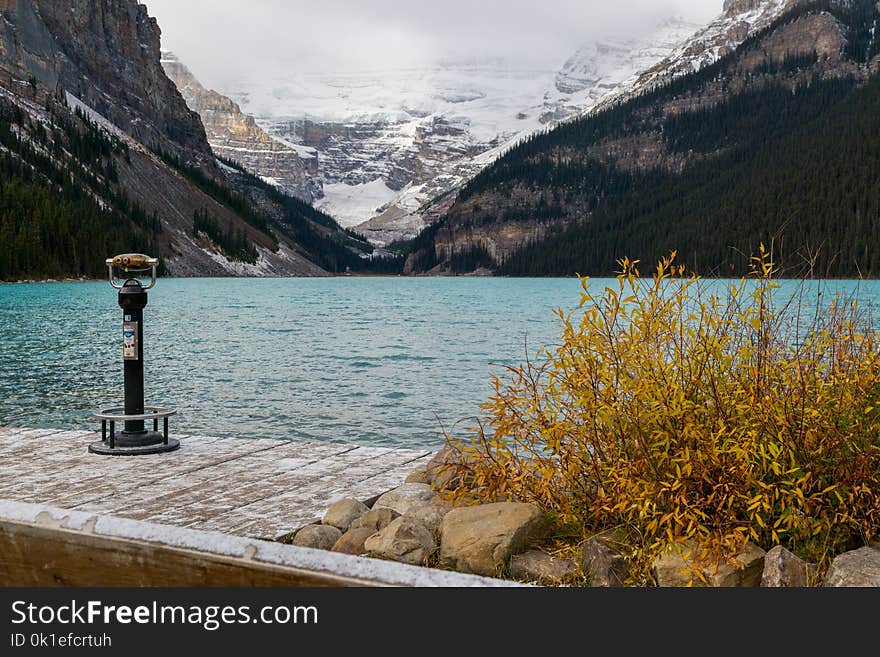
(599, 70)
(380, 134)
(236, 136)
(389, 142)
(738, 20)
(347, 203)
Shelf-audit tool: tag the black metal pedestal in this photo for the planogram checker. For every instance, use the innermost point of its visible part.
(150, 446)
(134, 444)
(134, 439)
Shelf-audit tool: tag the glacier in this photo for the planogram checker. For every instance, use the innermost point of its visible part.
(386, 146)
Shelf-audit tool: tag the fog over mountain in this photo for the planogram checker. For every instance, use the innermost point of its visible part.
(223, 40)
(392, 104)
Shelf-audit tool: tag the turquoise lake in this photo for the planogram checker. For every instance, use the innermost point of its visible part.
(382, 361)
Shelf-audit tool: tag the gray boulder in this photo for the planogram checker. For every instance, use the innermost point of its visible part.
(481, 539)
(344, 512)
(352, 541)
(418, 476)
(375, 519)
(405, 497)
(404, 540)
(536, 566)
(437, 472)
(602, 560)
(321, 537)
(430, 516)
(782, 569)
(676, 567)
(858, 568)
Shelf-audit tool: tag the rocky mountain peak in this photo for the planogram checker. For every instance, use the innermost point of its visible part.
(734, 7)
(235, 136)
(739, 20)
(105, 53)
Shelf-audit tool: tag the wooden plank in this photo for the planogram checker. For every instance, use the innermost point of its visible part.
(335, 467)
(382, 481)
(216, 490)
(9, 432)
(26, 434)
(40, 556)
(263, 488)
(307, 497)
(117, 477)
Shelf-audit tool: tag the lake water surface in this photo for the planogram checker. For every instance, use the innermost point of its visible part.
(367, 360)
(385, 361)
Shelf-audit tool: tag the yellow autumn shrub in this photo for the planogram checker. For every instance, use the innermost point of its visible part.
(679, 408)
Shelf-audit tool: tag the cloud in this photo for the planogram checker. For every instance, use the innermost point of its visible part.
(228, 39)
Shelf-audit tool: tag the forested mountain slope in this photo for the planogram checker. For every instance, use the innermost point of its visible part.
(778, 142)
(100, 154)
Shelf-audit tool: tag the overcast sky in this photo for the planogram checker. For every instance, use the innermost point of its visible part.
(227, 39)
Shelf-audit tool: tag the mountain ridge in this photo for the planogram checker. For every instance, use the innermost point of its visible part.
(402, 138)
(577, 185)
(738, 20)
(234, 135)
(55, 43)
(92, 123)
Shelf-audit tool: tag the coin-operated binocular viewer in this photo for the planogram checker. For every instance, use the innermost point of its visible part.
(126, 272)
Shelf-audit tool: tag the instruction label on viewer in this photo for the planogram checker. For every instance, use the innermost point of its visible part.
(129, 340)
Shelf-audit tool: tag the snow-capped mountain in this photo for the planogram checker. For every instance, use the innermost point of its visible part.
(388, 146)
(603, 69)
(738, 20)
(393, 139)
(678, 167)
(388, 142)
(236, 136)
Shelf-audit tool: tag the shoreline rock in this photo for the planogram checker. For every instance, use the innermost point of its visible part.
(419, 476)
(405, 497)
(376, 519)
(540, 567)
(783, 569)
(431, 516)
(501, 539)
(352, 541)
(319, 537)
(677, 567)
(344, 512)
(404, 540)
(858, 568)
(602, 561)
(481, 539)
(440, 469)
